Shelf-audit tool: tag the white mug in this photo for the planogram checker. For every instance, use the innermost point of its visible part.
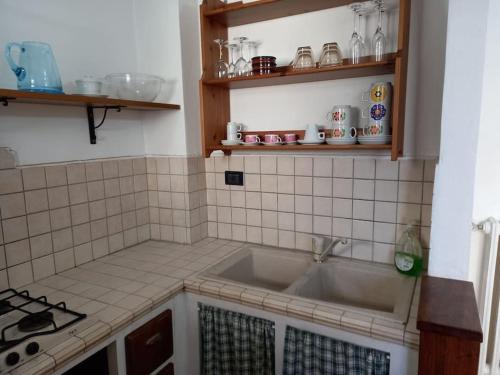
(342, 132)
(234, 136)
(313, 133)
(341, 114)
(233, 127)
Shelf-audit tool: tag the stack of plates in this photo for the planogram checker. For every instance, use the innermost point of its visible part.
(341, 141)
(374, 139)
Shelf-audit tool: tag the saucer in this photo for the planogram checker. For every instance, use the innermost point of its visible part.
(273, 144)
(375, 140)
(342, 141)
(291, 143)
(230, 142)
(307, 142)
(250, 143)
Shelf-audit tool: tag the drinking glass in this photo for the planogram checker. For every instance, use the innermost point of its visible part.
(330, 55)
(379, 40)
(221, 67)
(356, 44)
(232, 49)
(241, 68)
(303, 58)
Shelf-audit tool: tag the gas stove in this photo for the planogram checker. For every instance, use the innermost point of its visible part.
(31, 325)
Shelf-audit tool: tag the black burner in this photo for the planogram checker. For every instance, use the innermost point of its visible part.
(36, 321)
(5, 306)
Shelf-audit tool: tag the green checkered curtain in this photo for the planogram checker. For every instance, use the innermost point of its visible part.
(307, 353)
(234, 343)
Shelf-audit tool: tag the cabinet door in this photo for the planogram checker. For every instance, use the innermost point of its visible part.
(150, 345)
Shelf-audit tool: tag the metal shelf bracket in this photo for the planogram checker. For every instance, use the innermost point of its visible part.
(90, 117)
(5, 100)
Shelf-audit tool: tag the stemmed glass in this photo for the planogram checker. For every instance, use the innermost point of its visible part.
(221, 67)
(378, 40)
(232, 49)
(241, 68)
(356, 44)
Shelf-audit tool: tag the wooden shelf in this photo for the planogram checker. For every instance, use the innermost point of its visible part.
(16, 96)
(287, 75)
(322, 147)
(236, 14)
(88, 102)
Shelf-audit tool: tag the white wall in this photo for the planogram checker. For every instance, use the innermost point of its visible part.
(455, 175)
(83, 43)
(95, 37)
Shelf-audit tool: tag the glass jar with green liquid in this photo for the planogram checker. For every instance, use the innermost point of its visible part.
(408, 258)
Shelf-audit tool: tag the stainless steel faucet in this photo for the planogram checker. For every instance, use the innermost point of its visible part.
(320, 252)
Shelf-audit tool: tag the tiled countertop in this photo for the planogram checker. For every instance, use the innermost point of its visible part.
(117, 289)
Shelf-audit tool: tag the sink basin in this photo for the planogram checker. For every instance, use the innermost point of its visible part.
(370, 288)
(357, 285)
(262, 267)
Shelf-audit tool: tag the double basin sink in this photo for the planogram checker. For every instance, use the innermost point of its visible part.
(352, 285)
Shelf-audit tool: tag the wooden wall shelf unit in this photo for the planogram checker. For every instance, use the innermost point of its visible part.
(89, 102)
(215, 20)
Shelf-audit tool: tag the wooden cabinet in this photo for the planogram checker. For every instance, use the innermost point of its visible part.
(450, 329)
(216, 18)
(150, 345)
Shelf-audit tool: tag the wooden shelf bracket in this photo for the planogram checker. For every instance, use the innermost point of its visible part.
(90, 117)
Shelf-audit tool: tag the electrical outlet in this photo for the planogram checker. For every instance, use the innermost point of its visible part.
(234, 178)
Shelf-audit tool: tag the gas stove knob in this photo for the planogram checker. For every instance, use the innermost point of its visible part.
(32, 348)
(12, 359)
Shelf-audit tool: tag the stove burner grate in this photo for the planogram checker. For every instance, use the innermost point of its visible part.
(5, 306)
(36, 321)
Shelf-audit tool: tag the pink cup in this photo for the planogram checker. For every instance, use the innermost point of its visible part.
(272, 138)
(290, 138)
(252, 138)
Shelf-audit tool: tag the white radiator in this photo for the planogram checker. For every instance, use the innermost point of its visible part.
(485, 260)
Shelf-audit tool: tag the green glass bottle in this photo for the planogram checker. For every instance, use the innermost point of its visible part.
(408, 258)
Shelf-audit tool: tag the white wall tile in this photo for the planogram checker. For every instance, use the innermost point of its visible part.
(286, 202)
(342, 187)
(237, 198)
(269, 201)
(268, 165)
(429, 170)
(408, 213)
(362, 230)
(323, 206)
(384, 232)
(342, 207)
(385, 212)
(239, 233)
(252, 164)
(362, 250)
(362, 210)
(270, 237)
(254, 234)
(270, 219)
(254, 217)
(303, 223)
(411, 170)
(322, 225)
(386, 191)
(252, 182)
(428, 192)
(253, 200)
(303, 166)
(364, 168)
(286, 165)
(386, 169)
(269, 183)
(286, 184)
(364, 189)
(238, 216)
(410, 192)
(286, 221)
(323, 167)
(237, 163)
(303, 241)
(343, 167)
(323, 186)
(383, 253)
(303, 185)
(303, 204)
(286, 239)
(342, 227)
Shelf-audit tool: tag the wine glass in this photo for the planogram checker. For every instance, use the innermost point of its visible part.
(232, 49)
(240, 68)
(221, 67)
(379, 40)
(356, 44)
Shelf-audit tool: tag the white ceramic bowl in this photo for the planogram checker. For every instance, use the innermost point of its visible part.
(135, 86)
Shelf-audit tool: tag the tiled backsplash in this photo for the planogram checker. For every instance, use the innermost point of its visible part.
(59, 216)
(286, 199)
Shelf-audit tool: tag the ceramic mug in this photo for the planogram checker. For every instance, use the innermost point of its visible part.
(313, 133)
(252, 138)
(340, 114)
(376, 112)
(234, 136)
(290, 138)
(272, 138)
(233, 127)
(341, 132)
(373, 128)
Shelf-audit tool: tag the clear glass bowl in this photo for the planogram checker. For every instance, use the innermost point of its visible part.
(135, 86)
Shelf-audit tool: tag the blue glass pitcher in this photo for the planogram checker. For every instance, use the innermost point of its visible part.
(37, 69)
